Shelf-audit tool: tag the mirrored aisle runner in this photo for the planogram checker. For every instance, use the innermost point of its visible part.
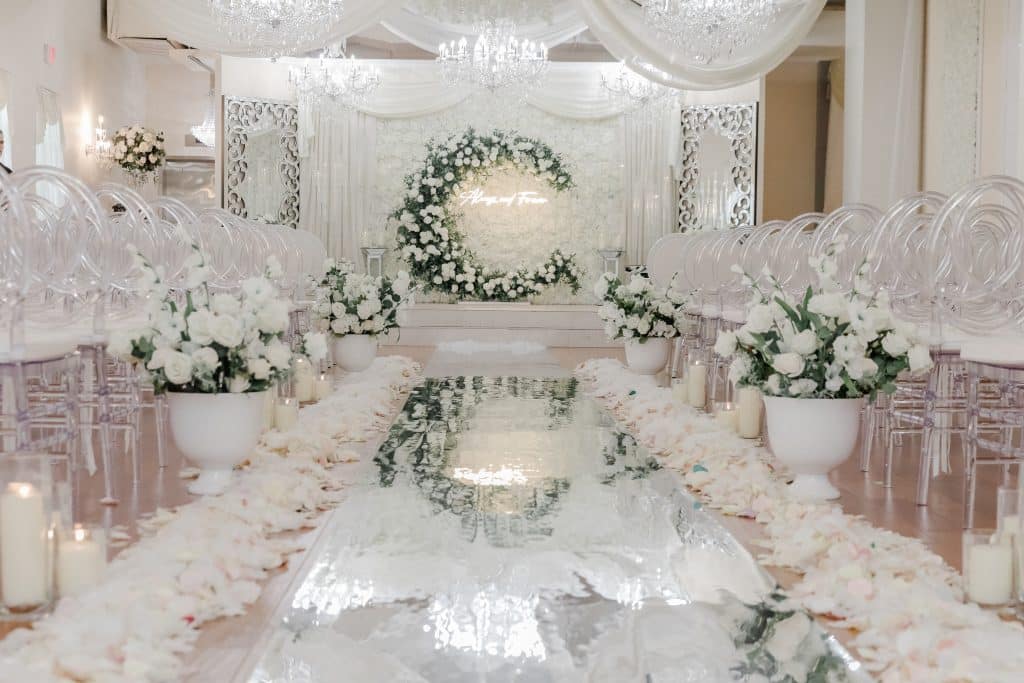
(507, 531)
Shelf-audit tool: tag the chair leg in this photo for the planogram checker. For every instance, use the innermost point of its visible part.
(867, 437)
(924, 472)
(159, 405)
(106, 446)
(971, 452)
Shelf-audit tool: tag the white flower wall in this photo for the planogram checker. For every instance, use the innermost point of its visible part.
(591, 217)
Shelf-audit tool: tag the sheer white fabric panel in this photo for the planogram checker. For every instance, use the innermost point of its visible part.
(619, 25)
(649, 192)
(338, 179)
(427, 33)
(192, 23)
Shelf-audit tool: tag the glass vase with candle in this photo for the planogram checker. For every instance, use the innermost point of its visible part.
(987, 568)
(697, 381)
(303, 379)
(29, 494)
(81, 559)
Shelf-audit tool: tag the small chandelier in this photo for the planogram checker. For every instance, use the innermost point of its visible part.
(274, 28)
(708, 30)
(624, 84)
(206, 132)
(332, 77)
(498, 59)
(101, 148)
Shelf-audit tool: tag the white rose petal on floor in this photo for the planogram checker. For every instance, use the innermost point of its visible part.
(207, 560)
(902, 601)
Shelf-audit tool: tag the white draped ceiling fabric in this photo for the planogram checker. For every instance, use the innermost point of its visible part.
(339, 149)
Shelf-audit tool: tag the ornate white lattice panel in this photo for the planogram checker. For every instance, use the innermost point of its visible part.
(261, 170)
(718, 166)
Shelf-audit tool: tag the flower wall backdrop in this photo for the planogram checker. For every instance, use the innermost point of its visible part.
(592, 216)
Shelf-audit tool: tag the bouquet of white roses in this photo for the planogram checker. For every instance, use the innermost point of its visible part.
(638, 311)
(827, 344)
(139, 151)
(195, 342)
(350, 303)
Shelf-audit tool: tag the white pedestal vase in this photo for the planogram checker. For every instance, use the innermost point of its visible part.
(649, 357)
(811, 437)
(355, 352)
(215, 432)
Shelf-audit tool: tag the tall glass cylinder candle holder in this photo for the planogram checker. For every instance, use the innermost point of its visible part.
(1008, 528)
(987, 568)
(81, 559)
(749, 407)
(697, 381)
(30, 513)
(303, 379)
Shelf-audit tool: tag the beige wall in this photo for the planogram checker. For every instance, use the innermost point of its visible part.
(177, 99)
(91, 75)
(790, 111)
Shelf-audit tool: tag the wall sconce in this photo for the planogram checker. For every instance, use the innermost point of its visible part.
(101, 148)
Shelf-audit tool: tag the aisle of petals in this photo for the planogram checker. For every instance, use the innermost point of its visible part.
(207, 560)
(902, 601)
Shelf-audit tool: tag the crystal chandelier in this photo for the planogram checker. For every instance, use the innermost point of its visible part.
(708, 30)
(332, 77)
(498, 59)
(632, 88)
(275, 28)
(476, 12)
(206, 132)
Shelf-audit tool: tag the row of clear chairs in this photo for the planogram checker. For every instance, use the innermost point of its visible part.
(67, 281)
(952, 264)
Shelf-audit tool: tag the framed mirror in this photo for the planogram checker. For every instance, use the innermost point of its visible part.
(49, 130)
(261, 170)
(5, 120)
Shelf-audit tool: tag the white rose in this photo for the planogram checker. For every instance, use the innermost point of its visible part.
(178, 368)
(725, 345)
(774, 385)
(831, 305)
(759, 319)
(895, 344)
(860, 368)
(225, 304)
(803, 387)
(205, 358)
(226, 330)
(339, 326)
(316, 346)
(273, 316)
(279, 355)
(805, 343)
(789, 364)
(260, 368)
(919, 357)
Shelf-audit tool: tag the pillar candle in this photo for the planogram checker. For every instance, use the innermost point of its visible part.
(681, 392)
(324, 386)
(727, 418)
(304, 382)
(269, 405)
(989, 571)
(81, 561)
(749, 417)
(23, 542)
(696, 381)
(286, 414)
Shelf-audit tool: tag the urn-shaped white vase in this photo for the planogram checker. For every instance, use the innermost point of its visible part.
(355, 352)
(648, 357)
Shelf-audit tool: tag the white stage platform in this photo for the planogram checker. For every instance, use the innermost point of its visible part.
(550, 325)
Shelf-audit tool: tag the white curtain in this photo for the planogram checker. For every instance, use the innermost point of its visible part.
(338, 179)
(649, 192)
(620, 26)
(49, 130)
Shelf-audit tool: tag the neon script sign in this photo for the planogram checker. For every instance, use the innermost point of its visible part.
(476, 196)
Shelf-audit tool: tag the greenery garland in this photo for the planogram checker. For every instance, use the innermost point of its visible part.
(427, 235)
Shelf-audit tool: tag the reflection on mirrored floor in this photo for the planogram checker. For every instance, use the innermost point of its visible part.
(507, 531)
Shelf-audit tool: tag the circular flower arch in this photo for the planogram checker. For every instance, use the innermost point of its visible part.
(427, 234)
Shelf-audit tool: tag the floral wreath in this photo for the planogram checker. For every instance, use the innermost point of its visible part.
(429, 240)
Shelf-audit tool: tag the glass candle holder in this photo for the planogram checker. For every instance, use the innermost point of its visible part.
(726, 415)
(81, 559)
(696, 382)
(680, 391)
(324, 386)
(286, 414)
(987, 568)
(749, 408)
(303, 379)
(29, 512)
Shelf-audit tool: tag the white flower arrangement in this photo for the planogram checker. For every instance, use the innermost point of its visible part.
(827, 344)
(350, 303)
(224, 343)
(139, 152)
(638, 310)
(427, 235)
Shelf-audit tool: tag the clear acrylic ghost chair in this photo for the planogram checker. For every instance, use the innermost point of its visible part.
(984, 294)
